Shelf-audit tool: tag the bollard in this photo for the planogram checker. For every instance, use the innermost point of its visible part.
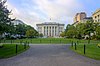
(50, 41)
(84, 48)
(40, 41)
(28, 44)
(75, 47)
(4, 40)
(11, 41)
(89, 41)
(72, 43)
(24, 45)
(31, 40)
(60, 41)
(16, 48)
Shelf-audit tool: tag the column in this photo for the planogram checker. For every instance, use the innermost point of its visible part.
(48, 31)
(51, 31)
(57, 31)
(54, 31)
(43, 30)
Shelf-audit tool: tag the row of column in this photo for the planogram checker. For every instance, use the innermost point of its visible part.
(50, 31)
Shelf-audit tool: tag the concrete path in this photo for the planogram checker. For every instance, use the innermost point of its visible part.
(49, 55)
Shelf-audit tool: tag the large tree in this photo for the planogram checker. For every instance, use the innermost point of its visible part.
(62, 34)
(5, 20)
(70, 31)
(31, 33)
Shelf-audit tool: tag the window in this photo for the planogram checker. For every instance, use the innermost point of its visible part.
(95, 17)
(98, 15)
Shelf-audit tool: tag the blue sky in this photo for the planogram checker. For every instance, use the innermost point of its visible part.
(39, 11)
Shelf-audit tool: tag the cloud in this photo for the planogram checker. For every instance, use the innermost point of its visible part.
(38, 11)
(59, 10)
(14, 10)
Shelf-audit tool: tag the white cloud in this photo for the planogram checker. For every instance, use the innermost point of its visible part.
(15, 13)
(59, 8)
(61, 11)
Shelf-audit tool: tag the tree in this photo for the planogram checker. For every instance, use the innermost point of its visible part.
(80, 30)
(98, 32)
(62, 34)
(5, 20)
(71, 33)
(67, 27)
(85, 29)
(20, 29)
(30, 33)
(40, 35)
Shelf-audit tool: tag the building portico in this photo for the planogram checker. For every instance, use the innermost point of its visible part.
(50, 29)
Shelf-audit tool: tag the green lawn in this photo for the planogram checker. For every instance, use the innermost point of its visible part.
(49, 41)
(92, 50)
(40, 41)
(9, 50)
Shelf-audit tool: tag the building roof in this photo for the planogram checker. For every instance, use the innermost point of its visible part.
(50, 23)
(88, 18)
(80, 13)
(98, 10)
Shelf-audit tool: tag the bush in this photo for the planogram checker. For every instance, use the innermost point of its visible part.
(98, 45)
(1, 45)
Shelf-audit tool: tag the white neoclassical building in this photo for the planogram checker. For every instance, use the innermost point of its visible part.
(50, 29)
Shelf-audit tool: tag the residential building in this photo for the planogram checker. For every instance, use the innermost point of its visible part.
(96, 15)
(79, 17)
(86, 19)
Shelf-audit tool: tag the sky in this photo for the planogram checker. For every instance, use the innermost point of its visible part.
(33, 12)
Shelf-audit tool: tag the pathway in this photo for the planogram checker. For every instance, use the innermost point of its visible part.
(49, 55)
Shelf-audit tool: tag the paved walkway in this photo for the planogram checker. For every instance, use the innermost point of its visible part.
(49, 55)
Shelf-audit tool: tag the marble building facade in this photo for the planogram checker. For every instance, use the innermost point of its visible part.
(50, 29)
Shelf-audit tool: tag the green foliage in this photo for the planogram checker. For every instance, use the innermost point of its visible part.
(71, 31)
(40, 35)
(20, 29)
(83, 29)
(5, 20)
(31, 33)
(62, 34)
(98, 32)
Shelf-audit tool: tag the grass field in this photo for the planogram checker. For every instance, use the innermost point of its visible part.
(9, 50)
(92, 50)
(49, 41)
